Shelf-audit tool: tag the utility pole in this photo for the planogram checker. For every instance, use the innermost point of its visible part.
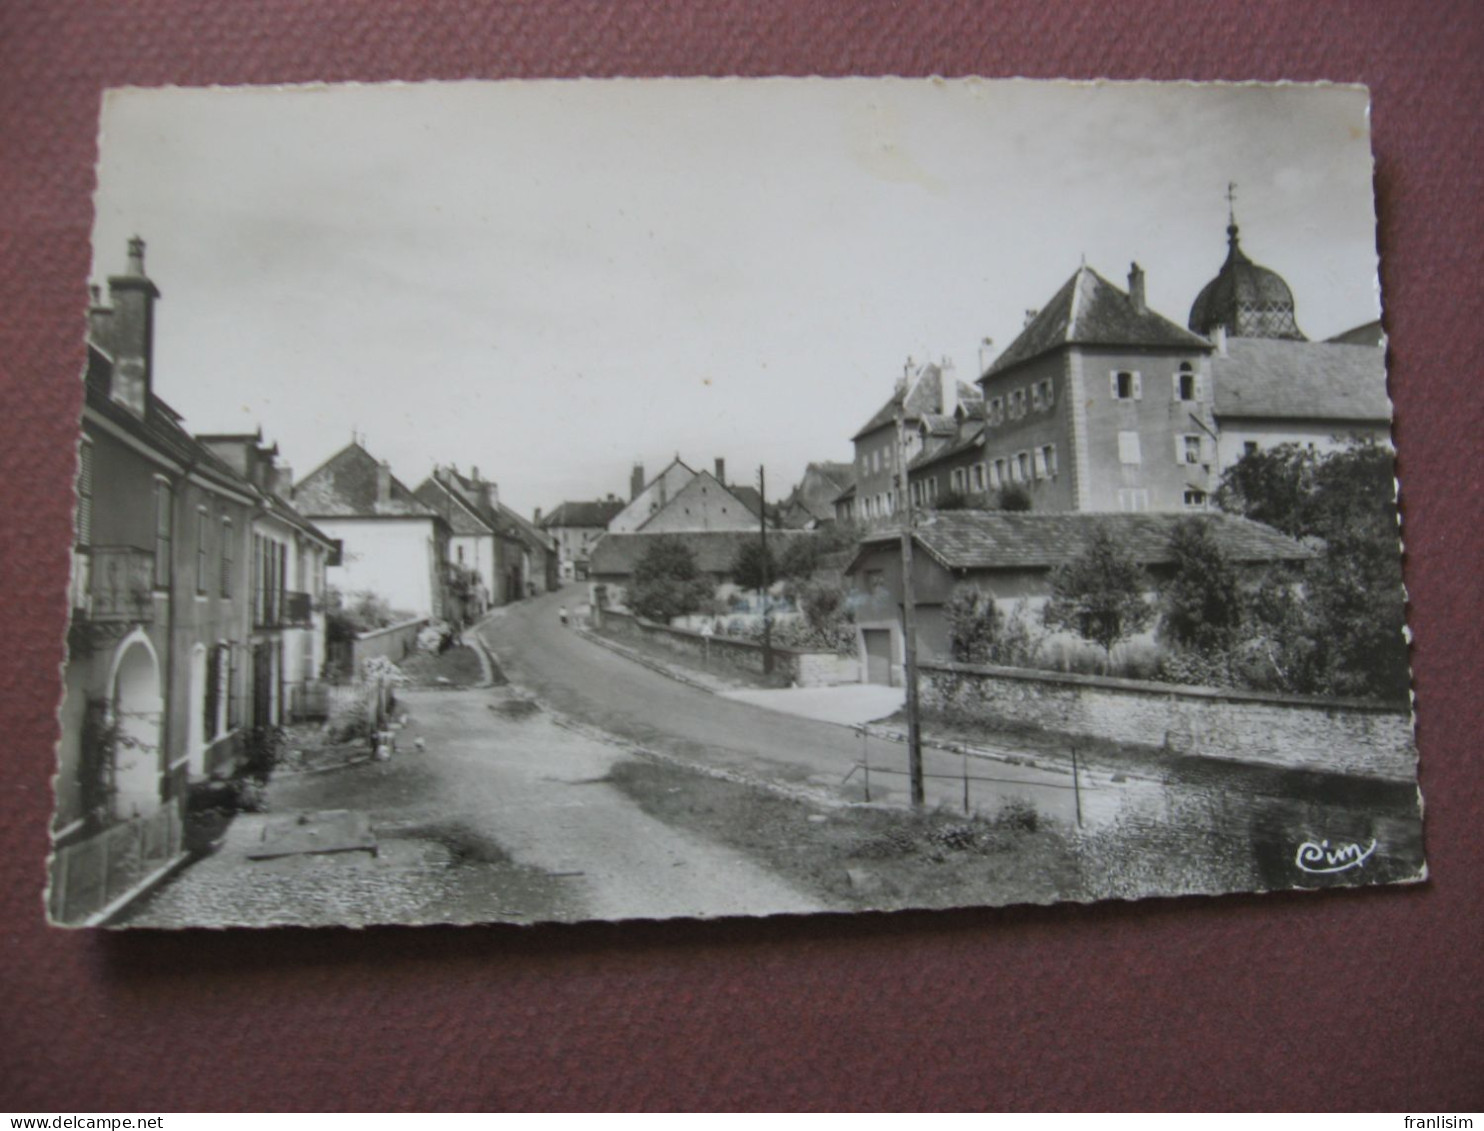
(909, 619)
(762, 491)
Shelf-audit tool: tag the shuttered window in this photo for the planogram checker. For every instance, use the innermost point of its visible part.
(84, 536)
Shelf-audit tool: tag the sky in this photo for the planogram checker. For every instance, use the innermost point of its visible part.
(554, 280)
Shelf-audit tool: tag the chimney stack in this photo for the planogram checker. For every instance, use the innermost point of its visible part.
(133, 331)
(100, 321)
(1136, 288)
(948, 383)
(1218, 335)
(536, 516)
(636, 481)
(721, 471)
(284, 482)
(383, 482)
(474, 472)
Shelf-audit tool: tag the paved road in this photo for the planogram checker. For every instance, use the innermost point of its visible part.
(591, 683)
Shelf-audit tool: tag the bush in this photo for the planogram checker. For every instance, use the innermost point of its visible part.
(974, 623)
(1013, 497)
(1201, 604)
(1099, 594)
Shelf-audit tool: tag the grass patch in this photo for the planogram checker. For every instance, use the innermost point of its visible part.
(860, 858)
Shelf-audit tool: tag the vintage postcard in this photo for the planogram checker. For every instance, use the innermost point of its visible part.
(529, 501)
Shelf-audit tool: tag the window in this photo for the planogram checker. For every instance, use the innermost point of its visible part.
(978, 477)
(84, 536)
(1048, 396)
(1133, 499)
(999, 473)
(226, 557)
(162, 534)
(1048, 461)
(1128, 448)
(1188, 448)
(1195, 500)
(1126, 385)
(234, 705)
(1187, 386)
(997, 410)
(1023, 466)
(201, 551)
(212, 700)
(1036, 402)
(1249, 447)
(1017, 404)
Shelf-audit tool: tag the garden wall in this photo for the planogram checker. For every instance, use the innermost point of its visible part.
(393, 642)
(790, 665)
(1330, 735)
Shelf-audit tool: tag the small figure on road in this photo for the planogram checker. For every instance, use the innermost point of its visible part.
(562, 612)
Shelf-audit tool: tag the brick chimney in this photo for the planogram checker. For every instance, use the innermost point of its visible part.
(721, 471)
(1136, 288)
(536, 516)
(383, 483)
(133, 296)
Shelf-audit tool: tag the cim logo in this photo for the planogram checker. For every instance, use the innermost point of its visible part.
(1320, 859)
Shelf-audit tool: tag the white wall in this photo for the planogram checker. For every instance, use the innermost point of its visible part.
(395, 559)
(1322, 437)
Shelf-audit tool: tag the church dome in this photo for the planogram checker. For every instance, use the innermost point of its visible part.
(1249, 300)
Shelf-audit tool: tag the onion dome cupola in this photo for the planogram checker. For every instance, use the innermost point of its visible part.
(1248, 300)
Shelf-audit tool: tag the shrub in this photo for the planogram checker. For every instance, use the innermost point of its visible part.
(974, 623)
(1099, 594)
(668, 583)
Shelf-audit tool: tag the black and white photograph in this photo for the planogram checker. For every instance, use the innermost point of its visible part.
(572, 500)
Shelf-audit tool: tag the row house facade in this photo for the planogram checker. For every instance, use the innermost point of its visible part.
(162, 686)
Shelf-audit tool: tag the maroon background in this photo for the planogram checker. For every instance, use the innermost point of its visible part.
(1365, 999)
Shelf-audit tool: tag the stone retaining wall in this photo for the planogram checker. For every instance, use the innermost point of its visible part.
(1329, 735)
(790, 665)
(393, 642)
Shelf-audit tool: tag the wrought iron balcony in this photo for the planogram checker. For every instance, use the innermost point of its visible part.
(114, 584)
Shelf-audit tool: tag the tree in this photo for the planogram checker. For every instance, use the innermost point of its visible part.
(668, 583)
(974, 623)
(1273, 487)
(1343, 503)
(1201, 603)
(1099, 594)
(752, 567)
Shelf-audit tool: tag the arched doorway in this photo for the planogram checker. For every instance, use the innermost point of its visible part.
(136, 707)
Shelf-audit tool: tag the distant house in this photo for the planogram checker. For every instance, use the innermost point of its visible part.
(929, 390)
(527, 557)
(950, 468)
(649, 497)
(477, 552)
(392, 544)
(615, 556)
(574, 527)
(1010, 555)
(812, 502)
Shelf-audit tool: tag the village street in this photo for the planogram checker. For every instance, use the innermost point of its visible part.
(588, 682)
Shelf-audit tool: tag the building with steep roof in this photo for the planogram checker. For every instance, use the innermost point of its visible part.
(1101, 404)
(1011, 556)
(392, 544)
(574, 527)
(928, 392)
(812, 501)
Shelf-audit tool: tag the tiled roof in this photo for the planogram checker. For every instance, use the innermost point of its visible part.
(344, 486)
(748, 497)
(993, 540)
(598, 512)
(1260, 377)
(1366, 334)
(456, 511)
(923, 394)
(969, 435)
(1089, 310)
(616, 555)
